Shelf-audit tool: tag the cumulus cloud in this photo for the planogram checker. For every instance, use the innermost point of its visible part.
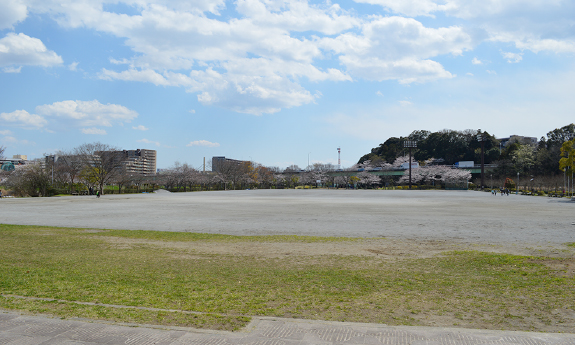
(12, 12)
(140, 128)
(93, 130)
(63, 115)
(20, 49)
(258, 62)
(398, 48)
(476, 61)
(410, 8)
(21, 118)
(204, 143)
(88, 113)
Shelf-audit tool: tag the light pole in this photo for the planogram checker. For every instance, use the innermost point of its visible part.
(481, 139)
(491, 175)
(410, 144)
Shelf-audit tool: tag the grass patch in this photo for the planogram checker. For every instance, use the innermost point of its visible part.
(124, 315)
(570, 244)
(467, 288)
(191, 237)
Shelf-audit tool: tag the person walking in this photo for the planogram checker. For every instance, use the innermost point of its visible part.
(98, 194)
(0, 193)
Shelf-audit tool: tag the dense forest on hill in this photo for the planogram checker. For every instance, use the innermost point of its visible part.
(451, 146)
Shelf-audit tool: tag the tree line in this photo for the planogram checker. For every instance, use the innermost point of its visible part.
(543, 165)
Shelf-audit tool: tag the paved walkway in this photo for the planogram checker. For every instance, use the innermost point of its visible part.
(36, 330)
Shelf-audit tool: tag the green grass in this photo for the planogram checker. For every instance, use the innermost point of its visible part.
(469, 288)
(192, 236)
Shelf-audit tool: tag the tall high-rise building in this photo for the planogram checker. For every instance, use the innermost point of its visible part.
(140, 161)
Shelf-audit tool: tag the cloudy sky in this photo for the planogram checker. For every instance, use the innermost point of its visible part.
(278, 81)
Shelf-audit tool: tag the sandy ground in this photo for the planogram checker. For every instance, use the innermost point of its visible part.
(454, 216)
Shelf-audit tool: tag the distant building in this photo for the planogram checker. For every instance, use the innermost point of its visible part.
(217, 161)
(518, 139)
(140, 161)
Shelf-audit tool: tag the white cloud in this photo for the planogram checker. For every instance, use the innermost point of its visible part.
(379, 93)
(512, 57)
(5, 132)
(249, 94)
(20, 49)
(490, 72)
(469, 74)
(146, 141)
(21, 118)
(398, 48)
(257, 63)
(405, 103)
(140, 128)
(73, 66)
(93, 130)
(191, 111)
(296, 15)
(12, 12)
(476, 61)
(63, 115)
(204, 143)
(87, 113)
(12, 69)
(410, 8)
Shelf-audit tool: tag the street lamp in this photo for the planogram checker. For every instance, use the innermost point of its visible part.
(481, 139)
(410, 144)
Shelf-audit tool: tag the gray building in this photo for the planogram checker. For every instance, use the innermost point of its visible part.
(218, 161)
(140, 161)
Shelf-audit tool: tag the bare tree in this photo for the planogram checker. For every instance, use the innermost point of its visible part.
(100, 163)
(232, 172)
(68, 168)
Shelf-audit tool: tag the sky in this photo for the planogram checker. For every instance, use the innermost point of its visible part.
(278, 82)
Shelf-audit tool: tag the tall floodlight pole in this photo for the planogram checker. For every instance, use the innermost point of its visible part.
(410, 144)
(481, 139)
(339, 158)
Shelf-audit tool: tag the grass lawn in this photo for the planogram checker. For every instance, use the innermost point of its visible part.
(83, 273)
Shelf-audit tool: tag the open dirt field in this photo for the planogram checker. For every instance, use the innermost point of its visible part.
(454, 216)
(392, 226)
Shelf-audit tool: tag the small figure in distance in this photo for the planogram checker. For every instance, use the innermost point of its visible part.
(98, 194)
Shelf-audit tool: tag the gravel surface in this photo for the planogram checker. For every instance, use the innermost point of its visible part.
(464, 216)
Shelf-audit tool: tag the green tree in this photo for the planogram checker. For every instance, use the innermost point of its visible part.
(567, 162)
(523, 158)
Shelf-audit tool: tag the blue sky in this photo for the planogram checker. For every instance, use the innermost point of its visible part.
(278, 82)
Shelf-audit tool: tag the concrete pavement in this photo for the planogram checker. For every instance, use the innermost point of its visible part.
(39, 330)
